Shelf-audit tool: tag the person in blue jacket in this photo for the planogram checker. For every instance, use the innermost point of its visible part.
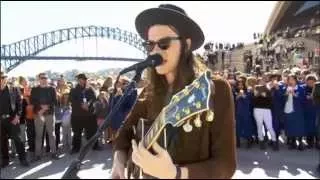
(243, 109)
(280, 92)
(120, 116)
(310, 113)
(294, 112)
(316, 99)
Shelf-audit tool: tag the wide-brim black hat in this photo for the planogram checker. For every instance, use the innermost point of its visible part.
(168, 14)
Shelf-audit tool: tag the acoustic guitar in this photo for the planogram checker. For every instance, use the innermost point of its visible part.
(189, 102)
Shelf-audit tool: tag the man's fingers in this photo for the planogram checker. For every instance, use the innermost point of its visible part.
(157, 148)
(134, 145)
(142, 150)
(136, 158)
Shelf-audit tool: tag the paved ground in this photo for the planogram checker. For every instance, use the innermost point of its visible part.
(252, 163)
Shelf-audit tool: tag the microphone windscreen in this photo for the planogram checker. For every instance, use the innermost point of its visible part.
(156, 59)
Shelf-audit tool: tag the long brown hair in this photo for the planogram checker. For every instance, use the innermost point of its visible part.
(188, 68)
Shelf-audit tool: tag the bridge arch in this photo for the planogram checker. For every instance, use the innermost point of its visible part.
(27, 48)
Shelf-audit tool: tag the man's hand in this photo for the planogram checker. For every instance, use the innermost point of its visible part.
(85, 107)
(40, 112)
(119, 92)
(44, 107)
(16, 120)
(159, 165)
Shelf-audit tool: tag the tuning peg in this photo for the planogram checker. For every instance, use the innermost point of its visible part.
(197, 121)
(210, 116)
(187, 127)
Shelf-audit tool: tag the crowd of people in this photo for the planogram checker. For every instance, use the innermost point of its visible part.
(276, 103)
(271, 103)
(50, 117)
(271, 54)
(283, 47)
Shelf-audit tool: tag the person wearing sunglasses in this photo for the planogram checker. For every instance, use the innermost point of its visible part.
(207, 151)
(44, 101)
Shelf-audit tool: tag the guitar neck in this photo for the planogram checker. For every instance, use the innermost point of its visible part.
(154, 131)
(191, 100)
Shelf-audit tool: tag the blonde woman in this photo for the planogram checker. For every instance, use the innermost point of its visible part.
(62, 94)
(106, 87)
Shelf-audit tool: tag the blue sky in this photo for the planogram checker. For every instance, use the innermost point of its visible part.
(220, 21)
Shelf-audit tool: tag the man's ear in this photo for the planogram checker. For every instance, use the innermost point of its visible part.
(188, 43)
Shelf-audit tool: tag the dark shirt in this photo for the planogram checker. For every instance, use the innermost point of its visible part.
(6, 107)
(76, 98)
(43, 96)
(260, 101)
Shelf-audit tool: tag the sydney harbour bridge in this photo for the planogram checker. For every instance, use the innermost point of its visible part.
(16, 53)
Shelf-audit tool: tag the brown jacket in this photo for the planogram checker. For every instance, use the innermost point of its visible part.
(208, 151)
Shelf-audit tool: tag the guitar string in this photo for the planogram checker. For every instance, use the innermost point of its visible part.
(157, 119)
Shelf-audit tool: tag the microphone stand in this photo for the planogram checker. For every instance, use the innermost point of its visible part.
(74, 167)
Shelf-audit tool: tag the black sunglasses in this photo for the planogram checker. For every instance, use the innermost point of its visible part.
(163, 43)
(43, 78)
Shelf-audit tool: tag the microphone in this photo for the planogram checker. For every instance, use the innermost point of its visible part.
(151, 61)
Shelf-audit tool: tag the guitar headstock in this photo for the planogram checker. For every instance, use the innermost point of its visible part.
(193, 99)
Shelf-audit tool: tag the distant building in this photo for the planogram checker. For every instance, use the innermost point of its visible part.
(292, 18)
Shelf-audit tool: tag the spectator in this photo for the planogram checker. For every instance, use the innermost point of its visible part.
(44, 100)
(310, 112)
(243, 107)
(10, 112)
(122, 113)
(262, 105)
(62, 93)
(82, 98)
(293, 112)
(66, 122)
(28, 113)
(101, 110)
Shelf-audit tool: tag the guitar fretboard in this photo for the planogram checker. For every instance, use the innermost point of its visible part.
(154, 131)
